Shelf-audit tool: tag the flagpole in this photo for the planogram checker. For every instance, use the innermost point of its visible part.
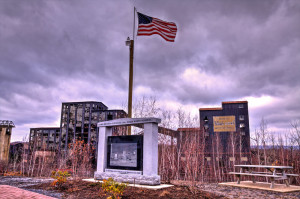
(130, 43)
(134, 10)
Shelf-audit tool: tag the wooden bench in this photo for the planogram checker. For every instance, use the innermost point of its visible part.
(272, 174)
(272, 177)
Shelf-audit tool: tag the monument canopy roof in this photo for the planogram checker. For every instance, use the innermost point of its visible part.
(129, 122)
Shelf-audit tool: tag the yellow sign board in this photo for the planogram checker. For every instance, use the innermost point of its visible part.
(224, 123)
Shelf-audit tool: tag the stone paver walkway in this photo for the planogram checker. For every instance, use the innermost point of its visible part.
(9, 192)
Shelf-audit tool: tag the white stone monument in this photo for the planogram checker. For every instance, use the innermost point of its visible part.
(149, 173)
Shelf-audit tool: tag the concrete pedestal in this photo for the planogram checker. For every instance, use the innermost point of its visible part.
(149, 174)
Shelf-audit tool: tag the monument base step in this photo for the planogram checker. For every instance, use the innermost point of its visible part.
(153, 187)
(123, 171)
(129, 178)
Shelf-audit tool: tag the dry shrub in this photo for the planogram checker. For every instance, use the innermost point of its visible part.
(81, 156)
(12, 173)
(113, 188)
(3, 167)
(60, 178)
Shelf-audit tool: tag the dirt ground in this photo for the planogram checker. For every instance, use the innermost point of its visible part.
(81, 189)
(182, 189)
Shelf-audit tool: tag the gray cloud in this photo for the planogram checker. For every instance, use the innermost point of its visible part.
(54, 51)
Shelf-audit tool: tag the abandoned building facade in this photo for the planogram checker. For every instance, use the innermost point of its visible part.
(44, 138)
(227, 134)
(78, 122)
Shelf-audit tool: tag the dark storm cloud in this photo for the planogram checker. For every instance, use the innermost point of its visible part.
(54, 51)
(50, 40)
(253, 43)
(48, 46)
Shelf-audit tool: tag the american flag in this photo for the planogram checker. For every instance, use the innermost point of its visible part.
(150, 26)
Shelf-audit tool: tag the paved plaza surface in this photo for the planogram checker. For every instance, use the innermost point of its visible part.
(247, 193)
(282, 188)
(10, 192)
(24, 182)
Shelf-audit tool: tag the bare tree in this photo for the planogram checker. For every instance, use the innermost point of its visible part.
(281, 149)
(257, 140)
(295, 132)
(272, 139)
(264, 136)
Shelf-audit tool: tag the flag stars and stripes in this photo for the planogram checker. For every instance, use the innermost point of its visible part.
(150, 26)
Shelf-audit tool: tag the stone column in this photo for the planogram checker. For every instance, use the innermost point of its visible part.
(104, 132)
(150, 156)
(4, 143)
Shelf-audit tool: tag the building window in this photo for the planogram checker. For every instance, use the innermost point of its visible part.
(109, 117)
(241, 105)
(244, 159)
(231, 159)
(208, 158)
(242, 125)
(242, 117)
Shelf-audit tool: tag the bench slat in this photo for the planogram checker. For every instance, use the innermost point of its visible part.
(290, 174)
(253, 174)
(261, 174)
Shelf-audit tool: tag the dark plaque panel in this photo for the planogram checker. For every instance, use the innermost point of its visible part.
(125, 152)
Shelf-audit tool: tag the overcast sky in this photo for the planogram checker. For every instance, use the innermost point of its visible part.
(58, 51)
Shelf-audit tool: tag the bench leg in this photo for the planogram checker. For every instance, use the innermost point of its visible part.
(287, 182)
(239, 179)
(253, 179)
(272, 183)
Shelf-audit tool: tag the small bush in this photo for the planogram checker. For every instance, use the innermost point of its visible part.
(114, 188)
(12, 173)
(60, 178)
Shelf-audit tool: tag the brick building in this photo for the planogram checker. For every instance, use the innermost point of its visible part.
(227, 133)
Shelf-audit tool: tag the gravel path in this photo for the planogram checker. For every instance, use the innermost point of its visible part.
(245, 193)
(23, 182)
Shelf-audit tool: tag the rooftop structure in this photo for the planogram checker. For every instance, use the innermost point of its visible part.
(7, 123)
